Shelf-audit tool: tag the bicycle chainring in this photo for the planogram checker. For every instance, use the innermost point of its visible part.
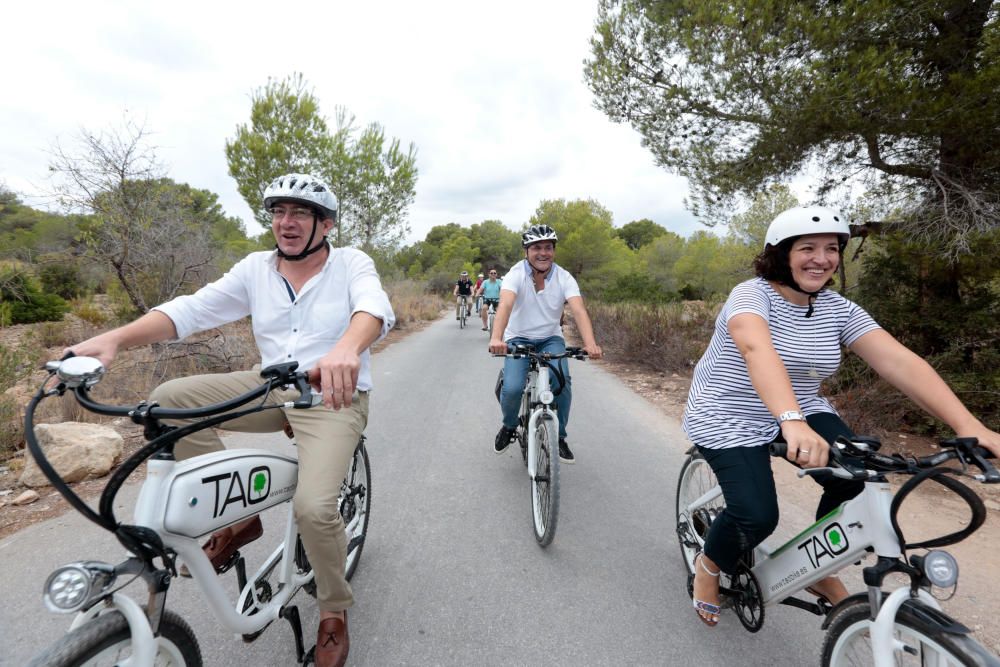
(747, 600)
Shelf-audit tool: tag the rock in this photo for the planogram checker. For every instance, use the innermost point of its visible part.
(26, 498)
(77, 450)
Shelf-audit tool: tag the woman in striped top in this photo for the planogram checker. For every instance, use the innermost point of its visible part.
(776, 339)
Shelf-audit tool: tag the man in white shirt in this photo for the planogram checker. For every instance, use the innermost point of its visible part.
(531, 304)
(310, 303)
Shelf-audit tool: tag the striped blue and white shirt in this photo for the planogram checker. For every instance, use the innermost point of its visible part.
(723, 408)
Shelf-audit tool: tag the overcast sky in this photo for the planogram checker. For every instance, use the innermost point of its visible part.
(492, 95)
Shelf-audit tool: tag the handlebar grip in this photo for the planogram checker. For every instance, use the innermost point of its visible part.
(778, 449)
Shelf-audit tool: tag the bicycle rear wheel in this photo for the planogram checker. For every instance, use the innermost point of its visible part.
(696, 479)
(105, 640)
(545, 484)
(920, 640)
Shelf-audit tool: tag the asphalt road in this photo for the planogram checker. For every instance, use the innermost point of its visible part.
(451, 573)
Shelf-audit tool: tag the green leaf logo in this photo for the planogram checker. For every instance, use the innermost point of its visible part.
(834, 538)
(259, 484)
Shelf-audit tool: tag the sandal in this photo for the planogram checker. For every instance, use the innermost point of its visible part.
(700, 606)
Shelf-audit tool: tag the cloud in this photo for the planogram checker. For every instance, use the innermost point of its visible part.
(491, 95)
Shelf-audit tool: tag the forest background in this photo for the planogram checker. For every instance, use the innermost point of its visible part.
(897, 124)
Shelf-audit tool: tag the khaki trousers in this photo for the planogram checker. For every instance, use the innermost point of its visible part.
(325, 442)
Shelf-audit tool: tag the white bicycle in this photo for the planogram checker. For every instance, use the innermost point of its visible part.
(904, 627)
(178, 503)
(538, 433)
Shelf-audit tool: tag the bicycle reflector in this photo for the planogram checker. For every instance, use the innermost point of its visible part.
(71, 587)
(546, 396)
(940, 568)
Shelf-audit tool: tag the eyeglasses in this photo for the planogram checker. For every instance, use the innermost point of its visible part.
(297, 214)
(493, 273)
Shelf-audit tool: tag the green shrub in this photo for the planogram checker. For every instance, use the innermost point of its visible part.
(62, 279)
(90, 313)
(25, 302)
(636, 288)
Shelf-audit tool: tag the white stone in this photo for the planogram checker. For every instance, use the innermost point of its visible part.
(77, 450)
(26, 498)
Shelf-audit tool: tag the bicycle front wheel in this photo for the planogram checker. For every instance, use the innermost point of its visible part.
(545, 484)
(105, 640)
(919, 641)
(696, 479)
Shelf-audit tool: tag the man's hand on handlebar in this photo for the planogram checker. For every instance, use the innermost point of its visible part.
(593, 350)
(497, 346)
(336, 377)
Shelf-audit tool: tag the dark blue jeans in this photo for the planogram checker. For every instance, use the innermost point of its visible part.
(751, 513)
(515, 374)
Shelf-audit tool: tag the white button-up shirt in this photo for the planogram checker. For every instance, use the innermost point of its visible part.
(289, 327)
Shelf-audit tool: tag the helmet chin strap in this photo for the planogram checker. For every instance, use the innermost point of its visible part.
(812, 295)
(308, 251)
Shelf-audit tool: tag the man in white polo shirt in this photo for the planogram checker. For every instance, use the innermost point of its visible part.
(531, 303)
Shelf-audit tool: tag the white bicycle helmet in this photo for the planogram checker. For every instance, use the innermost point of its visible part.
(304, 189)
(803, 220)
(538, 233)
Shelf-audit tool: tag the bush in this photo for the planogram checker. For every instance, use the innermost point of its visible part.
(636, 288)
(24, 302)
(62, 279)
(665, 337)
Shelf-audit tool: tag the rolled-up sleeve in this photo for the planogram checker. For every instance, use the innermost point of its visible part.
(366, 293)
(225, 300)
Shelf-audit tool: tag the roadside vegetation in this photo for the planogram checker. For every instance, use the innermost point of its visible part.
(897, 127)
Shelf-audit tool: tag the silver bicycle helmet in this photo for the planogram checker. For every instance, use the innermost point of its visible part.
(303, 189)
(537, 233)
(803, 220)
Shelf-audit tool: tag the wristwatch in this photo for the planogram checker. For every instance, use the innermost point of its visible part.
(791, 416)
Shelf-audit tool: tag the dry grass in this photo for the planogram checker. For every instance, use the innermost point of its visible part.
(668, 337)
(412, 303)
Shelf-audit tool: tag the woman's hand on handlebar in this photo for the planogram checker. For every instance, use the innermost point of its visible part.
(806, 447)
(987, 438)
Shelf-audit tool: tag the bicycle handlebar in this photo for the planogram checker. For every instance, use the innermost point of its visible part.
(523, 350)
(860, 460)
(83, 373)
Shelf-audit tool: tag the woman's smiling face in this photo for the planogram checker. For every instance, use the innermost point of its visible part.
(813, 259)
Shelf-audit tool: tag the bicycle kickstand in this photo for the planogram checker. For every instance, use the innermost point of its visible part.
(291, 614)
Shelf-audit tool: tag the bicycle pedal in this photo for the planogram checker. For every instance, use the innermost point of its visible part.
(230, 564)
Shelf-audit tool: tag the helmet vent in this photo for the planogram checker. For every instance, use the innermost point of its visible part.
(815, 218)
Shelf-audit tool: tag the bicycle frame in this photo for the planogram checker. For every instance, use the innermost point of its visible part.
(838, 539)
(179, 503)
(536, 392)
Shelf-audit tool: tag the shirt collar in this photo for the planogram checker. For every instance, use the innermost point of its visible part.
(531, 271)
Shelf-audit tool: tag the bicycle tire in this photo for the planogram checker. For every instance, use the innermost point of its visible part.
(847, 640)
(101, 641)
(490, 318)
(354, 504)
(695, 479)
(545, 484)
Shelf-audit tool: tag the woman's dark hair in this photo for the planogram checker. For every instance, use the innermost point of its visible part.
(772, 263)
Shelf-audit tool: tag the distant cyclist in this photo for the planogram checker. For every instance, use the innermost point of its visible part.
(475, 292)
(490, 291)
(531, 303)
(463, 292)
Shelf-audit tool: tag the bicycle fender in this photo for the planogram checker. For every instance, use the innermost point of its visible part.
(144, 645)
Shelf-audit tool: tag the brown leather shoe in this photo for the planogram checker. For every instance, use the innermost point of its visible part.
(223, 543)
(332, 643)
